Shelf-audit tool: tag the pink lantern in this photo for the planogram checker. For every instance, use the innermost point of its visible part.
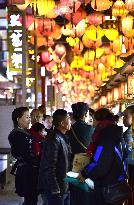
(60, 50)
(77, 16)
(75, 4)
(45, 57)
(129, 5)
(96, 18)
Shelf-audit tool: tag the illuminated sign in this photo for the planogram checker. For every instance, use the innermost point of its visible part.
(130, 85)
(15, 42)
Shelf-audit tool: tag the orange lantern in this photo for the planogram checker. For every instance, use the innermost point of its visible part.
(127, 26)
(78, 48)
(119, 9)
(101, 5)
(77, 16)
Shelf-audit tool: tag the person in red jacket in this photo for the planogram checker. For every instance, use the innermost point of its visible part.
(38, 132)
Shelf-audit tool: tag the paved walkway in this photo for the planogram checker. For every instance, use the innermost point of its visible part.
(8, 196)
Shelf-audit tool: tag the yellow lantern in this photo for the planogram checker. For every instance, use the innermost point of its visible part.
(129, 5)
(117, 45)
(101, 5)
(119, 63)
(44, 6)
(78, 62)
(119, 9)
(111, 34)
(94, 33)
(99, 52)
(127, 25)
(101, 67)
(88, 68)
(111, 60)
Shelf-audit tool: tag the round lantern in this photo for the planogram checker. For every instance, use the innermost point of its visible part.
(45, 57)
(129, 5)
(23, 6)
(96, 18)
(99, 52)
(48, 5)
(127, 25)
(101, 5)
(119, 63)
(89, 43)
(111, 34)
(88, 68)
(77, 16)
(75, 4)
(94, 33)
(101, 67)
(60, 50)
(68, 30)
(119, 9)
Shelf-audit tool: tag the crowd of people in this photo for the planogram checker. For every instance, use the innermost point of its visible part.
(44, 153)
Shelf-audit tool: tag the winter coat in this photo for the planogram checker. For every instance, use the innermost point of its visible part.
(26, 167)
(83, 132)
(54, 163)
(106, 167)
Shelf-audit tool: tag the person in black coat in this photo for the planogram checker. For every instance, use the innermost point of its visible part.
(55, 161)
(26, 166)
(106, 167)
(83, 131)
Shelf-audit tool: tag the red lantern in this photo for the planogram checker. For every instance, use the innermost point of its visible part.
(77, 16)
(46, 26)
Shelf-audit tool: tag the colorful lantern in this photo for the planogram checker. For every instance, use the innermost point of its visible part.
(101, 5)
(77, 16)
(48, 5)
(111, 34)
(127, 25)
(80, 28)
(111, 60)
(94, 33)
(96, 18)
(45, 57)
(78, 48)
(119, 9)
(56, 34)
(129, 5)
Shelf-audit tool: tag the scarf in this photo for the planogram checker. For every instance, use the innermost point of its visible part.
(96, 135)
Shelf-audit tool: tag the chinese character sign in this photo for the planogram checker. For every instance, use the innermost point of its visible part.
(15, 42)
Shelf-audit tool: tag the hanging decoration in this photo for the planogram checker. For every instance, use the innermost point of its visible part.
(101, 5)
(129, 5)
(94, 33)
(96, 18)
(111, 34)
(42, 7)
(119, 9)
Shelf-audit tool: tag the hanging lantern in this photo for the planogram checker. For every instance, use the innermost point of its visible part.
(96, 18)
(46, 25)
(99, 52)
(119, 63)
(68, 30)
(111, 34)
(78, 48)
(77, 16)
(88, 68)
(45, 57)
(43, 6)
(94, 33)
(56, 34)
(101, 5)
(60, 50)
(72, 41)
(80, 28)
(89, 43)
(23, 6)
(129, 5)
(111, 60)
(119, 9)
(127, 25)
(101, 68)
(117, 45)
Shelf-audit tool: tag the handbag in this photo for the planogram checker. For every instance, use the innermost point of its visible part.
(119, 192)
(80, 159)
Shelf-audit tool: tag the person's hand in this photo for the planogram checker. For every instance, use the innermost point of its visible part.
(81, 178)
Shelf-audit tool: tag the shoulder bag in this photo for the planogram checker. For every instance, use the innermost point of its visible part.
(119, 192)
